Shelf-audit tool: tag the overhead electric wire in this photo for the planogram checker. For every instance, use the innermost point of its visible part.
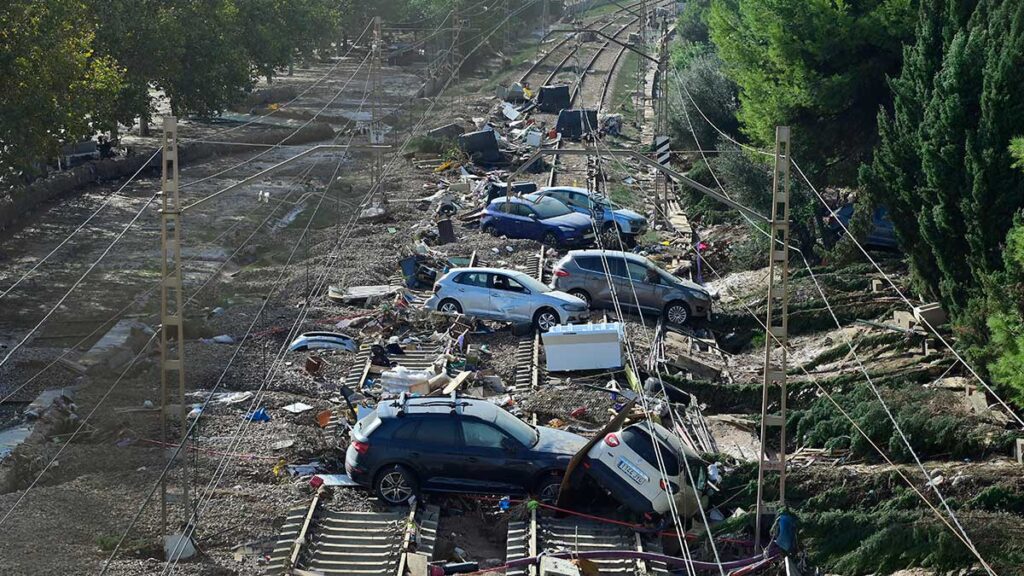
(155, 154)
(631, 355)
(964, 537)
(194, 295)
(368, 196)
(860, 247)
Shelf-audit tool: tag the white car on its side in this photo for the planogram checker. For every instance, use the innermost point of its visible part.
(624, 462)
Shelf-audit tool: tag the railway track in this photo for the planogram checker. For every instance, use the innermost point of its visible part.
(327, 541)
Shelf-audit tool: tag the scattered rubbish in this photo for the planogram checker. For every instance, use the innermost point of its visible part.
(314, 364)
(323, 341)
(584, 346)
(575, 124)
(373, 214)
(534, 138)
(446, 132)
(178, 547)
(304, 469)
(368, 294)
(223, 339)
(553, 99)
(11, 438)
(481, 146)
(392, 230)
(283, 444)
(297, 408)
(335, 480)
(514, 92)
(323, 418)
(259, 415)
(228, 398)
(550, 566)
(255, 548)
(579, 412)
(611, 124)
(498, 189)
(401, 379)
(510, 112)
(445, 232)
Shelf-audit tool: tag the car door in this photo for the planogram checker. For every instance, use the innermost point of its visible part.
(620, 279)
(529, 222)
(472, 292)
(510, 300)
(496, 460)
(437, 453)
(597, 281)
(568, 198)
(646, 291)
(581, 203)
(504, 223)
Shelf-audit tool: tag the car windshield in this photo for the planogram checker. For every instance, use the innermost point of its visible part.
(666, 278)
(521, 431)
(550, 208)
(535, 286)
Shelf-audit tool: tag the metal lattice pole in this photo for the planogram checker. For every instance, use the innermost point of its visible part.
(376, 107)
(172, 301)
(776, 334)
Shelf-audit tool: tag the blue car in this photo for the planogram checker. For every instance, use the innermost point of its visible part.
(607, 214)
(543, 219)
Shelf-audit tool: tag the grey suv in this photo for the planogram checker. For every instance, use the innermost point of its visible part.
(582, 274)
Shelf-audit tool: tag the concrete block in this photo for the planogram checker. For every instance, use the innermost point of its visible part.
(904, 319)
(877, 285)
(932, 313)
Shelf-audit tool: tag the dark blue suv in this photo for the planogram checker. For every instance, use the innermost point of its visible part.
(545, 219)
(455, 445)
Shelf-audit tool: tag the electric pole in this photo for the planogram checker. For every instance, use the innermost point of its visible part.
(776, 333)
(376, 109)
(172, 304)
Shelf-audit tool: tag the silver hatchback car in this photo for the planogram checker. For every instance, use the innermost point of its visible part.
(582, 274)
(508, 295)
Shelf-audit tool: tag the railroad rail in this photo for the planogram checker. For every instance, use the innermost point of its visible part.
(326, 541)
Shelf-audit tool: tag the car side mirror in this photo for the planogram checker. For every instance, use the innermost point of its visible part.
(533, 216)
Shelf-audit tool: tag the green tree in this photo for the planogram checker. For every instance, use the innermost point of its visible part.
(818, 66)
(56, 88)
(943, 165)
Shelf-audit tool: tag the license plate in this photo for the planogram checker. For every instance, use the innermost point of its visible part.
(632, 471)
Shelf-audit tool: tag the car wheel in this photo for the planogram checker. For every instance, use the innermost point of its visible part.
(545, 319)
(610, 237)
(449, 306)
(581, 294)
(677, 313)
(491, 229)
(395, 485)
(548, 488)
(551, 239)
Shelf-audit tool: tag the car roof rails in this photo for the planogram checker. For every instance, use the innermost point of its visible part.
(399, 404)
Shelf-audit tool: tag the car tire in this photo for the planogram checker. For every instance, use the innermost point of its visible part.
(548, 487)
(677, 313)
(491, 229)
(610, 237)
(545, 319)
(551, 239)
(581, 294)
(395, 485)
(449, 306)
